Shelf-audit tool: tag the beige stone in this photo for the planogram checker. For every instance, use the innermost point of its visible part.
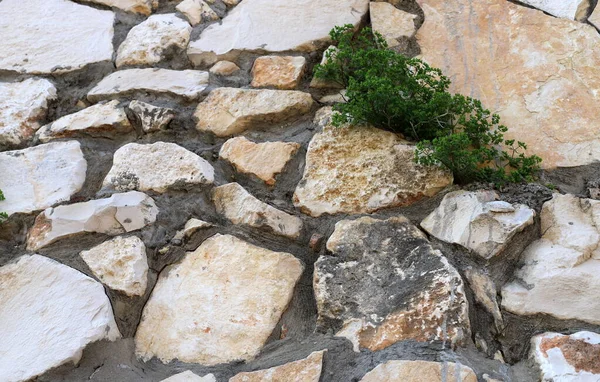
(304, 370)
(420, 371)
(219, 304)
(485, 293)
(569, 9)
(231, 111)
(594, 18)
(392, 22)
(224, 68)
(265, 160)
(280, 72)
(231, 3)
(543, 85)
(143, 7)
(190, 227)
(196, 11)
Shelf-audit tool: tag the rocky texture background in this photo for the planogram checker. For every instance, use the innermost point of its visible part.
(181, 209)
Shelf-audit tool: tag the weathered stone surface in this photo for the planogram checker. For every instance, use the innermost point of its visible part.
(196, 11)
(190, 227)
(144, 7)
(564, 358)
(478, 221)
(274, 26)
(22, 105)
(41, 176)
(118, 214)
(102, 120)
(219, 304)
(152, 118)
(224, 68)
(188, 376)
(239, 206)
(380, 174)
(594, 18)
(35, 42)
(547, 96)
(265, 160)
(559, 276)
(391, 22)
(420, 371)
(156, 167)
(147, 42)
(185, 83)
(485, 293)
(229, 111)
(48, 314)
(281, 72)
(568, 9)
(120, 264)
(385, 283)
(304, 370)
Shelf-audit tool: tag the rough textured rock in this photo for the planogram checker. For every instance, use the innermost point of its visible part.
(548, 74)
(420, 371)
(48, 314)
(102, 120)
(281, 72)
(147, 42)
(485, 293)
(120, 264)
(144, 7)
(156, 167)
(118, 214)
(152, 118)
(185, 83)
(196, 11)
(224, 68)
(559, 272)
(384, 283)
(22, 105)
(274, 26)
(188, 376)
(239, 206)
(304, 370)
(564, 358)
(219, 304)
(391, 22)
(568, 9)
(594, 18)
(190, 227)
(83, 36)
(478, 221)
(41, 176)
(265, 160)
(380, 174)
(229, 111)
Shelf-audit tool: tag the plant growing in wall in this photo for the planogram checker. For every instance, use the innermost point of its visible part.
(3, 215)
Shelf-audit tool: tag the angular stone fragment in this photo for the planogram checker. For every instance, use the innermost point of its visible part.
(385, 283)
(120, 264)
(188, 376)
(147, 42)
(102, 120)
(224, 68)
(230, 111)
(156, 167)
(274, 26)
(118, 214)
(219, 304)
(281, 72)
(196, 11)
(188, 84)
(568, 9)
(152, 118)
(485, 293)
(594, 18)
(144, 7)
(420, 371)
(559, 276)
(477, 221)
(49, 312)
(548, 95)
(231, 3)
(265, 160)
(304, 370)
(34, 41)
(41, 176)
(373, 169)
(22, 105)
(190, 227)
(392, 22)
(239, 206)
(564, 358)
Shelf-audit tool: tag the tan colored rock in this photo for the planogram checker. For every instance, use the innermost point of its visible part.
(240, 207)
(304, 370)
(420, 371)
(594, 18)
(568, 9)
(197, 11)
(485, 293)
(143, 7)
(188, 376)
(231, 3)
(392, 22)
(219, 304)
(224, 68)
(547, 96)
(190, 227)
(230, 111)
(280, 72)
(151, 118)
(265, 160)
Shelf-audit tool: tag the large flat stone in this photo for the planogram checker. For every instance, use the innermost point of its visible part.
(420, 371)
(304, 370)
(274, 26)
(219, 304)
(543, 85)
(53, 36)
(41, 176)
(48, 314)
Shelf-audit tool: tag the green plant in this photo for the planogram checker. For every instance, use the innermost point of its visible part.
(3, 215)
(405, 95)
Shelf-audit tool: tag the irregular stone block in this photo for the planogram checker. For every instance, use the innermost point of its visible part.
(281, 72)
(392, 22)
(190, 227)
(568, 9)
(196, 11)
(144, 7)
(304, 370)
(420, 371)
(485, 293)
(224, 68)
(152, 118)
(188, 376)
